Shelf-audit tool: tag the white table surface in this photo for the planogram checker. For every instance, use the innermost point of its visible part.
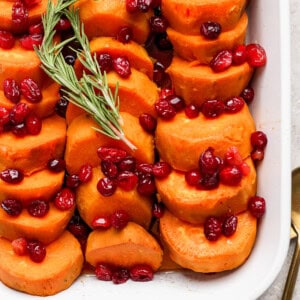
(275, 291)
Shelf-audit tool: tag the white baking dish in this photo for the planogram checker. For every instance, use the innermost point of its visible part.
(269, 26)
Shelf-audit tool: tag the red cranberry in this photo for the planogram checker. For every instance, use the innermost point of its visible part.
(19, 130)
(165, 93)
(144, 5)
(257, 155)
(259, 140)
(31, 90)
(119, 219)
(234, 105)
(11, 90)
(78, 227)
(33, 124)
(105, 62)
(72, 181)
(177, 102)
(165, 110)
(109, 169)
(19, 112)
(248, 94)
(111, 154)
(31, 3)
(61, 107)
(161, 169)
(7, 40)
(191, 111)
(222, 61)
(127, 164)
(209, 163)
(158, 24)
(193, 177)
(144, 169)
(36, 29)
(13, 176)
(212, 228)
(159, 72)
(146, 185)
(19, 15)
(120, 275)
(4, 115)
(85, 173)
(36, 251)
(65, 199)
(19, 246)
(239, 55)
(101, 222)
(103, 272)
(127, 180)
(28, 42)
(38, 208)
(257, 206)
(210, 30)
(12, 207)
(212, 108)
(63, 24)
(231, 175)
(132, 6)
(141, 272)
(122, 66)
(155, 3)
(229, 225)
(158, 210)
(256, 55)
(148, 122)
(106, 186)
(208, 181)
(56, 165)
(125, 35)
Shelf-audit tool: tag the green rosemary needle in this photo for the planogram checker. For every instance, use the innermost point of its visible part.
(83, 92)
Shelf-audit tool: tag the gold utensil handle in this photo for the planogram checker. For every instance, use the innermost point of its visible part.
(292, 275)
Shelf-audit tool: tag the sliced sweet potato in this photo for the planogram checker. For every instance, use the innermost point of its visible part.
(181, 140)
(189, 247)
(187, 16)
(45, 229)
(196, 47)
(195, 205)
(83, 142)
(91, 204)
(32, 152)
(61, 267)
(41, 185)
(127, 247)
(196, 83)
(105, 18)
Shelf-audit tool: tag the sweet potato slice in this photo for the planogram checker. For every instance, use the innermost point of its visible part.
(61, 267)
(189, 247)
(181, 140)
(32, 152)
(41, 185)
(196, 47)
(45, 229)
(105, 18)
(187, 16)
(195, 205)
(127, 247)
(91, 204)
(196, 83)
(83, 142)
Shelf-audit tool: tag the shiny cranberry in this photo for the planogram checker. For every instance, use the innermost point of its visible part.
(38, 208)
(36, 251)
(231, 175)
(78, 227)
(111, 154)
(192, 177)
(212, 228)
(11, 90)
(259, 140)
(12, 207)
(158, 210)
(222, 61)
(61, 107)
(191, 111)
(257, 206)
(234, 105)
(122, 66)
(208, 181)
(19, 130)
(85, 173)
(33, 124)
(127, 164)
(105, 62)
(109, 169)
(148, 122)
(36, 29)
(132, 6)
(146, 186)
(56, 165)
(209, 163)
(64, 199)
(28, 42)
(19, 246)
(248, 94)
(120, 275)
(161, 169)
(229, 225)
(239, 55)
(101, 222)
(19, 15)
(63, 24)
(256, 55)
(165, 110)
(19, 112)
(13, 176)
(104, 272)
(124, 35)
(158, 24)
(141, 272)
(144, 169)
(127, 180)
(72, 181)
(159, 72)
(210, 30)
(257, 155)
(106, 186)
(164, 93)
(144, 5)
(177, 102)
(4, 115)
(30, 90)
(212, 108)
(119, 219)
(7, 40)
(31, 3)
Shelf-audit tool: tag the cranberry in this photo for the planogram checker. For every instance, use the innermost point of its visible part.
(239, 55)
(78, 228)
(64, 199)
(161, 169)
(229, 225)
(257, 155)
(234, 105)
(165, 110)
(157, 210)
(38, 208)
(222, 61)
(101, 222)
(85, 173)
(176, 101)
(231, 175)
(56, 165)
(109, 169)
(259, 140)
(233, 157)
(19, 130)
(125, 35)
(158, 24)
(121, 65)
(144, 169)
(164, 93)
(146, 186)
(141, 272)
(209, 181)
(12, 207)
(4, 115)
(256, 55)
(106, 186)
(191, 111)
(13, 176)
(36, 29)
(257, 206)
(212, 108)
(7, 40)
(159, 72)
(19, 15)
(63, 24)
(163, 43)
(105, 62)
(144, 5)
(209, 163)
(132, 6)
(120, 275)
(193, 177)
(127, 164)
(212, 228)
(36, 251)
(210, 30)
(31, 3)
(248, 94)
(28, 42)
(19, 246)
(111, 154)
(104, 272)
(72, 181)
(119, 219)
(33, 124)
(148, 122)
(19, 112)
(11, 90)
(31, 90)
(61, 107)
(127, 180)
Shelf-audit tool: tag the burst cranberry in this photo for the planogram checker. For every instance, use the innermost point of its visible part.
(120, 275)
(148, 122)
(257, 206)
(141, 272)
(127, 180)
(36, 29)
(106, 186)
(248, 94)
(210, 30)
(65, 199)
(192, 177)
(212, 228)
(109, 169)
(85, 173)
(36, 251)
(12, 207)
(122, 66)
(259, 140)
(28, 42)
(234, 105)
(132, 6)
(11, 90)
(209, 163)
(63, 24)
(157, 210)
(125, 35)
(161, 169)
(56, 165)
(231, 175)
(119, 219)
(239, 55)
(72, 181)
(31, 3)
(4, 115)
(222, 61)
(19, 112)
(7, 40)
(127, 164)
(256, 55)
(165, 110)
(158, 24)
(146, 186)
(212, 108)
(19, 15)
(33, 124)
(13, 176)
(229, 225)
(19, 246)
(61, 107)
(31, 90)
(103, 272)
(191, 111)
(111, 154)
(38, 208)
(101, 222)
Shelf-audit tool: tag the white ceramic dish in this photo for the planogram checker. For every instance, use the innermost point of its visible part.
(269, 26)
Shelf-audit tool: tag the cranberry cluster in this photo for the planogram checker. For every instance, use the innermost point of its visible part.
(107, 272)
(259, 142)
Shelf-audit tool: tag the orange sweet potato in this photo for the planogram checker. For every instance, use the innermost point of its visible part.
(181, 140)
(61, 267)
(32, 152)
(195, 205)
(127, 247)
(197, 83)
(196, 47)
(189, 247)
(105, 18)
(187, 16)
(83, 142)
(45, 229)
(41, 185)
(91, 204)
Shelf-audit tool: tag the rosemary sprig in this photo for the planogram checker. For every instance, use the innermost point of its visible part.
(91, 92)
